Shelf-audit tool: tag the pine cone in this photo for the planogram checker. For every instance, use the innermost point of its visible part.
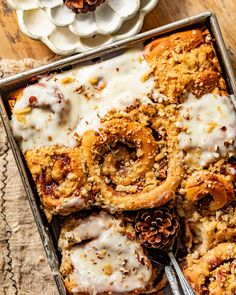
(83, 6)
(157, 228)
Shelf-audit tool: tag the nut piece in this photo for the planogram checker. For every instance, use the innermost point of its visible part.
(108, 269)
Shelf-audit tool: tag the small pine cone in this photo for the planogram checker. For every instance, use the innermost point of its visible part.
(83, 6)
(157, 228)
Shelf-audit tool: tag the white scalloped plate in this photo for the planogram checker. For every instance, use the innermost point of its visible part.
(65, 32)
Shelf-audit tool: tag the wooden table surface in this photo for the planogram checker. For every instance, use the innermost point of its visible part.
(15, 45)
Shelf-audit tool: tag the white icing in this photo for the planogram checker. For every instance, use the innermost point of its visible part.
(89, 92)
(210, 123)
(110, 262)
(49, 119)
(123, 78)
(232, 170)
(91, 228)
(77, 202)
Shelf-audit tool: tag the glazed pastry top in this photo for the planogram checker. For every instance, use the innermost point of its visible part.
(114, 260)
(56, 108)
(209, 128)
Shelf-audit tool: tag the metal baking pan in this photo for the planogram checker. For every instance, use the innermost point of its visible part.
(49, 232)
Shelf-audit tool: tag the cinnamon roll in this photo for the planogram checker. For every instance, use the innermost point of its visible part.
(185, 63)
(204, 232)
(121, 158)
(100, 255)
(42, 116)
(214, 272)
(60, 178)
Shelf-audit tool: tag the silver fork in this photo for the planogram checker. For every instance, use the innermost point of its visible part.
(184, 283)
(170, 273)
(167, 258)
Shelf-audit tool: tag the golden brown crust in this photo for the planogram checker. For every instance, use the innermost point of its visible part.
(132, 132)
(214, 272)
(204, 183)
(59, 176)
(185, 62)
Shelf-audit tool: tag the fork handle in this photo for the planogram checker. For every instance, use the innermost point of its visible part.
(184, 283)
(170, 273)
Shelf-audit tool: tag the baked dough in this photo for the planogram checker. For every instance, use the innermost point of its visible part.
(131, 133)
(133, 159)
(213, 273)
(115, 261)
(184, 63)
(205, 232)
(204, 183)
(60, 178)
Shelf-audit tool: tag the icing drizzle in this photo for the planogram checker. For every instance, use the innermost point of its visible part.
(209, 128)
(88, 92)
(109, 261)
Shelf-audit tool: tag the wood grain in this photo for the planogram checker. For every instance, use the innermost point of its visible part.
(16, 45)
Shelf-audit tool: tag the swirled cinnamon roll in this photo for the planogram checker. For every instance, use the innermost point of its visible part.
(100, 255)
(214, 272)
(129, 166)
(42, 123)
